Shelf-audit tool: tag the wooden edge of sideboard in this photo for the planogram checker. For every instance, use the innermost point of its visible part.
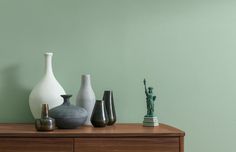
(127, 130)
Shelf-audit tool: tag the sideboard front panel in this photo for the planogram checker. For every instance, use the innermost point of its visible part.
(163, 144)
(36, 144)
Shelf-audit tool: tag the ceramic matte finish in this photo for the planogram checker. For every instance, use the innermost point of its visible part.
(185, 48)
(86, 97)
(68, 116)
(47, 91)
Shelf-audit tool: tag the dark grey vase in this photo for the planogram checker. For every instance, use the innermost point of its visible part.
(68, 116)
(45, 123)
(110, 107)
(99, 114)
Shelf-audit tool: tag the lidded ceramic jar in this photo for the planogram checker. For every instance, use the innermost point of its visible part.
(45, 123)
(68, 116)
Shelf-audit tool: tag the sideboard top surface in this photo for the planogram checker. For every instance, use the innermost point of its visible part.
(118, 130)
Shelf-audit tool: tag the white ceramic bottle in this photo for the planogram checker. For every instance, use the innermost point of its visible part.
(86, 97)
(47, 91)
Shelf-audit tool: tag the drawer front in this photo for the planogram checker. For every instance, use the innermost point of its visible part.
(127, 144)
(36, 144)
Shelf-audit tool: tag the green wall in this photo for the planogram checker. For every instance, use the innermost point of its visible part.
(185, 48)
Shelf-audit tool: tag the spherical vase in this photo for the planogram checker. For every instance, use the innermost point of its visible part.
(47, 91)
(86, 97)
(68, 116)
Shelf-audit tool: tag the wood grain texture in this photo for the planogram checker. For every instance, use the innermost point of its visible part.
(181, 144)
(162, 144)
(118, 130)
(36, 144)
(117, 138)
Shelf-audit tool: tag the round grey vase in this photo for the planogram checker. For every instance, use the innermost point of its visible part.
(68, 116)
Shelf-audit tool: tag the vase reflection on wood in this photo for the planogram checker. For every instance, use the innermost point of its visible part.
(110, 107)
(86, 97)
(99, 114)
(47, 91)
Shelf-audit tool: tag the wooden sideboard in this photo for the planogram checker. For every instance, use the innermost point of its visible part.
(117, 138)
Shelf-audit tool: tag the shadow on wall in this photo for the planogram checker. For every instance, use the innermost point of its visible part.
(14, 105)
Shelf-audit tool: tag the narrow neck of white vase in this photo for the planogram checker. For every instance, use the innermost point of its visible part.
(85, 81)
(48, 64)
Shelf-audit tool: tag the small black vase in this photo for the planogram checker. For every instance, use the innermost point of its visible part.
(99, 114)
(109, 103)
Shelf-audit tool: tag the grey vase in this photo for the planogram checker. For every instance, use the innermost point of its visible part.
(110, 107)
(68, 116)
(99, 114)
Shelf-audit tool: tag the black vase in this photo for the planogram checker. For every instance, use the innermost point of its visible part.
(68, 116)
(110, 107)
(99, 114)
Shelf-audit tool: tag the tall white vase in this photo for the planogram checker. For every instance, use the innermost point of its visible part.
(86, 97)
(47, 91)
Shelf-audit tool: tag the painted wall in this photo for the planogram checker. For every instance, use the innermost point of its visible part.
(185, 49)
